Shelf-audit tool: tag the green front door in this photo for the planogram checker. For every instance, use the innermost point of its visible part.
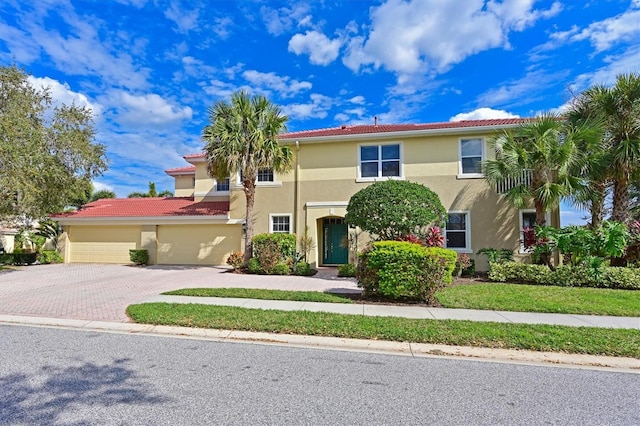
(334, 250)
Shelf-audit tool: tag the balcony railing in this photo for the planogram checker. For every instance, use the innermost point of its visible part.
(524, 178)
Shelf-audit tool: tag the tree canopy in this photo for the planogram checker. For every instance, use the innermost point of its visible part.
(47, 153)
(152, 192)
(241, 139)
(393, 209)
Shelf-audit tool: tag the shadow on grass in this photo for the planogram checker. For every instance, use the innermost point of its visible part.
(44, 397)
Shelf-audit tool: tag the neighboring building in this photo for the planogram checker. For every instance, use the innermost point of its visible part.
(204, 222)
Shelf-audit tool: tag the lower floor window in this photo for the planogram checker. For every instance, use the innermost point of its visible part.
(457, 230)
(281, 224)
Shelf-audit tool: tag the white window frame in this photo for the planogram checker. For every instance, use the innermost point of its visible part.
(547, 218)
(359, 177)
(467, 232)
(483, 156)
(274, 215)
(237, 183)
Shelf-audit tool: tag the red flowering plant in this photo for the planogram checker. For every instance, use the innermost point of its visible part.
(411, 238)
(537, 241)
(434, 237)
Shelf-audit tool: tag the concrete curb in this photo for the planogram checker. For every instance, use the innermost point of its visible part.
(627, 365)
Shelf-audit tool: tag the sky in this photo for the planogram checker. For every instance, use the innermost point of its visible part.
(151, 69)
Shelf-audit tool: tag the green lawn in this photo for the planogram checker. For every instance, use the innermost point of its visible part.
(251, 293)
(614, 342)
(532, 298)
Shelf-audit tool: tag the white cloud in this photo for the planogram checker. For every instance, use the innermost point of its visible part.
(221, 27)
(279, 21)
(483, 114)
(522, 91)
(148, 109)
(414, 37)
(615, 65)
(283, 85)
(99, 186)
(318, 108)
(320, 48)
(186, 20)
(358, 100)
(61, 93)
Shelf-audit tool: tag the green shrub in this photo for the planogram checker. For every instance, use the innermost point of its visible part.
(24, 258)
(495, 255)
(271, 249)
(302, 268)
(347, 270)
(281, 268)
(471, 270)
(566, 276)
(139, 257)
(6, 259)
(449, 258)
(49, 256)
(253, 266)
(235, 259)
(402, 270)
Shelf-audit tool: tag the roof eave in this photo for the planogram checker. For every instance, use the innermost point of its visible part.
(222, 219)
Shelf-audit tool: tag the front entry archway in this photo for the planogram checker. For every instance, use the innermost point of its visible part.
(335, 250)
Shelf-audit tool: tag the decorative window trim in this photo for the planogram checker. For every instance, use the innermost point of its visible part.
(483, 157)
(236, 183)
(521, 249)
(467, 236)
(359, 177)
(273, 215)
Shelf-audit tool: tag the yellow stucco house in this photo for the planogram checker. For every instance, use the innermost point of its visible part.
(203, 223)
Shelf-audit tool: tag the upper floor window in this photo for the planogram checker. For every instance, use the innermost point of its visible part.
(222, 185)
(471, 156)
(378, 161)
(265, 175)
(280, 224)
(457, 232)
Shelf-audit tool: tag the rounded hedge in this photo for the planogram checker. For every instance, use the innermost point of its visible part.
(393, 209)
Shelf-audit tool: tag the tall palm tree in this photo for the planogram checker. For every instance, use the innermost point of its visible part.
(241, 138)
(545, 147)
(618, 107)
(151, 193)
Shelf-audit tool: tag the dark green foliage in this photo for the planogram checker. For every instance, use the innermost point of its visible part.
(139, 257)
(567, 276)
(49, 256)
(18, 258)
(403, 270)
(253, 266)
(280, 268)
(302, 268)
(496, 255)
(347, 270)
(471, 270)
(393, 209)
(272, 249)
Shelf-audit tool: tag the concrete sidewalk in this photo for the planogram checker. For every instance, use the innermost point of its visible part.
(419, 312)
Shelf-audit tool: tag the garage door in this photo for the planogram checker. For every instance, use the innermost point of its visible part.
(103, 244)
(197, 244)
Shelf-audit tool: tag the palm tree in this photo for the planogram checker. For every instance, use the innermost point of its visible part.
(619, 109)
(241, 138)
(544, 147)
(151, 193)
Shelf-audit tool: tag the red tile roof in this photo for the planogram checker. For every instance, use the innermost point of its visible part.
(148, 207)
(188, 170)
(387, 128)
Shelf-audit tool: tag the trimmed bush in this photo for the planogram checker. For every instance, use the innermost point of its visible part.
(449, 257)
(402, 270)
(272, 249)
(281, 268)
(347, 270)
(302, 268)
(253, 266)
(49, 256)
(566, 276)
(139, 257)
(21, 258)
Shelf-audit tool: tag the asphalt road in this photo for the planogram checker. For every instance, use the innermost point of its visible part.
(55, 376)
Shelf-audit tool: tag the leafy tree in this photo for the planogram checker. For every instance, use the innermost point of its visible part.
(545, 146)
(393, 209)
(47, 153)
(151, 193)
(241, 138)
(102, 194)
(618, 107)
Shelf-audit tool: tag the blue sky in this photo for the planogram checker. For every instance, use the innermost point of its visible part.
(151, 69)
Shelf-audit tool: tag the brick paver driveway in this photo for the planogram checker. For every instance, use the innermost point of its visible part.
(102, 292)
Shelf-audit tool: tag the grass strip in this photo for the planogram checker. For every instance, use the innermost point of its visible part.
(533, 298)
(250, 293)
(583, 340)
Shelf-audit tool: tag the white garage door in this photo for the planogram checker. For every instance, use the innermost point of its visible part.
(197, 244)
(103, 244)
